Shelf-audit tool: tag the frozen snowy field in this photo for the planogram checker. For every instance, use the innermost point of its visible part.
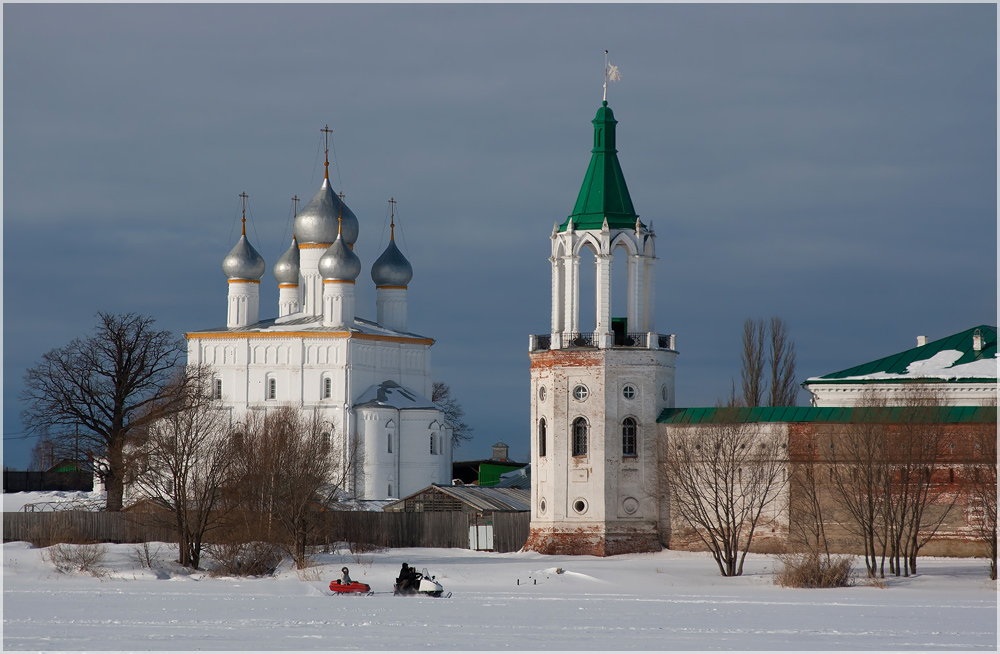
(664, 601)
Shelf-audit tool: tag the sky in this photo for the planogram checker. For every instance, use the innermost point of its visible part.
(833, 165)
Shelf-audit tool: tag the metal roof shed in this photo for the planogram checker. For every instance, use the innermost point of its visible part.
(498, 517)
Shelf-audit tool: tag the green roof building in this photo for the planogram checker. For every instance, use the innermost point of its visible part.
(957, 370)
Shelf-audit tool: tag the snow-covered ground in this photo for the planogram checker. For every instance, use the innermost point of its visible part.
(664, 601)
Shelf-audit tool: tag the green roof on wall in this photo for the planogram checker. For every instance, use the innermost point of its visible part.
(708, 415)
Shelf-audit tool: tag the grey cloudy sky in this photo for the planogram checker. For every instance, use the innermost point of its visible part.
(831, 164)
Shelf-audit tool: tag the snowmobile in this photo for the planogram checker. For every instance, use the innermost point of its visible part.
(353, 587)
(421, 584)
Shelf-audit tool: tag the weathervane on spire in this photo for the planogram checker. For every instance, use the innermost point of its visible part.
(326, 154)
(610, 73)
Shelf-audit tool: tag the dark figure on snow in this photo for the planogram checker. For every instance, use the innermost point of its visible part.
(407, 578)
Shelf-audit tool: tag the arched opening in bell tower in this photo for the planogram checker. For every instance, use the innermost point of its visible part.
(619, 289)
(587, 291)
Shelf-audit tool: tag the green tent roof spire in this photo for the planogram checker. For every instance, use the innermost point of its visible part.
(604, 193)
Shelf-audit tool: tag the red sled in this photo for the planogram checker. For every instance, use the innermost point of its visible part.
(353, 587)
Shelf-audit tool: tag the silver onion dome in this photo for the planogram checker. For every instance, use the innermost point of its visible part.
(392, 268)
(317, 222)
(339, 263)
(286, 270)
(243, 262)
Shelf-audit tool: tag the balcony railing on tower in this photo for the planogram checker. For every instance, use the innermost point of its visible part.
(573, 340)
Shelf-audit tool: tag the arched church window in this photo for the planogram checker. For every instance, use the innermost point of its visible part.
(272, 388)
(327, 388)
(216, 389)
(628, 437)
(541, 437)
(388, 444)
(580, 433)
(433, 448)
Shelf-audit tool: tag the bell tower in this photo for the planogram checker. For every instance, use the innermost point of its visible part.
(595, 396)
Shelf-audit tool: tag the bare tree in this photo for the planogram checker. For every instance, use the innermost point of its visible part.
(980, 474)
(453, 413)
(290, 472)
(919, 502)
(883, 475)
(807, 525)
(185, 461)
(766, 345)
(860, 478)
(752, 372)
(783, 391)
(720, 478)
(102, 385)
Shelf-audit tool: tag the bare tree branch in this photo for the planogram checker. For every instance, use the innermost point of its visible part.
(453, 413)
(752, 372)
(102, 385)
(721, 477)
(783, 391)
(185, 461)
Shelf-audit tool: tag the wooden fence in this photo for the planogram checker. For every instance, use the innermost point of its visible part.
(510, 531)
(433, 529)
(89, 526)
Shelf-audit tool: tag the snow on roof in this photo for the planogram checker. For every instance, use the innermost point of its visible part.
(391, 394)
(949, 358)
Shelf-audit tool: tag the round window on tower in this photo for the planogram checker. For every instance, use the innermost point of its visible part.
(628, 392)
(580, 506)
(580, 393)
(542, 506)
(541, 394)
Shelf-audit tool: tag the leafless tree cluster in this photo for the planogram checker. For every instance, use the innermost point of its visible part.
(289, 471)
(120, 396)
(980, 476)
(721, 478)
(259, 486)
(95, 393)
(883, 475)
(185, 462)
(768, 365)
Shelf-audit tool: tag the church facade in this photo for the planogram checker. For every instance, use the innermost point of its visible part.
(595, 396)
(368, 382)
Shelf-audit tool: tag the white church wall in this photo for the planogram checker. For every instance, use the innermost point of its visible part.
(951, 393)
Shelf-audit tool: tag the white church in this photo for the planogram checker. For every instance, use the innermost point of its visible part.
(367, 381)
